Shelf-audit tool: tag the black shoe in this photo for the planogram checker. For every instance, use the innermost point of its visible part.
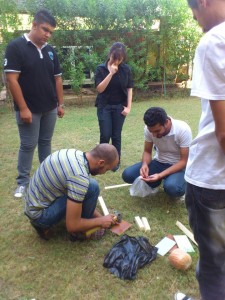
(116, 168)
(43, 233)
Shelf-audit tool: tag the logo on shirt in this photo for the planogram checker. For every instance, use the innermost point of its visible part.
(5, 62)
(51, 55)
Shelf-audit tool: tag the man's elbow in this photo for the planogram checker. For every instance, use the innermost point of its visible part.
(72, 227)
(183, 163)
(221, 140)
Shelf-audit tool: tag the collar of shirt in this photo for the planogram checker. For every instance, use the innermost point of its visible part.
(87, 162)
(29, 41)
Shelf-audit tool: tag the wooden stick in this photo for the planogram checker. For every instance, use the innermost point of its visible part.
(139, 223)
(105, 212)
(103, 206)
(187, 232)
(145, 223)
(116, 186)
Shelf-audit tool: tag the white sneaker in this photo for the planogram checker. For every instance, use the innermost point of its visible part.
(154, 191)
(181, 296)
(19, 192)
(182, 198)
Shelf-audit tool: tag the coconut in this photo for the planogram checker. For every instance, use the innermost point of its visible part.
(180, 259)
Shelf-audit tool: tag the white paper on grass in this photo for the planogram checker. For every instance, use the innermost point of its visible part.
(183, 243)
(165, 245)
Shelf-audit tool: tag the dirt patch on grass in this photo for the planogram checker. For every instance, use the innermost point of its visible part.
(88, 95)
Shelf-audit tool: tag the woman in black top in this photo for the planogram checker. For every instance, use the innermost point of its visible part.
(114, 84)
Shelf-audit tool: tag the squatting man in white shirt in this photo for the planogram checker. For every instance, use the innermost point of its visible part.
(170, 139)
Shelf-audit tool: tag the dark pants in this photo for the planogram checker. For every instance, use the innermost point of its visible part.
(206, 209)
(111, 122)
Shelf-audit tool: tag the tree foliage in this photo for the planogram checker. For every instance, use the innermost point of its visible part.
(9, 22)
(153, 54)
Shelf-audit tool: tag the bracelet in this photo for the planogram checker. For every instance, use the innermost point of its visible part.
(61, 105)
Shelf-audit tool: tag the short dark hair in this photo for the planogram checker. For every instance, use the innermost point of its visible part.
(193, 3)
(154, 116)
(118, 51)
(106, 152)
(44, 16)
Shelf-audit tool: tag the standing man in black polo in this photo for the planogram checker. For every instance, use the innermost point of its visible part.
(34, 78)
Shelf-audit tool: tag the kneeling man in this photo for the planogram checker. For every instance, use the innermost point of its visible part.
(62, 187)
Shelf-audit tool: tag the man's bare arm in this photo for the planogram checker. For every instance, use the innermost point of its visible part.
(15, 89)
(74, 222)
(180, 165)
(59, 93)
(146, 159)
(218, 111)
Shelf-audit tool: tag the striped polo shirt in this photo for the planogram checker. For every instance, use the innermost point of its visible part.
(65, 172)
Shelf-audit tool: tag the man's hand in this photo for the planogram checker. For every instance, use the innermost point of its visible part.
(152, 178)
(144, 171)
(107, 221)
(113, 69)
(26, 115)
(60, 112)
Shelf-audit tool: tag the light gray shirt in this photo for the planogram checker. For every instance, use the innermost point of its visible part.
(168, 147)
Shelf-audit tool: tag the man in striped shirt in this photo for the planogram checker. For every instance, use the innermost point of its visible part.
(61, 187)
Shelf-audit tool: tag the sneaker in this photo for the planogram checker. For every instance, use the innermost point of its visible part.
(181, 296)
(19, 192)
(42, 232)
(182, 198)
(154, 191)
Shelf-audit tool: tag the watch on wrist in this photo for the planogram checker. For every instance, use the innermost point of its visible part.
(61, 105)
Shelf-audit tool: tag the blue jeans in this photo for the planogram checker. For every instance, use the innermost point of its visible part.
(174, 184)
(111, 122)
(206, 210)
(40, 132)
(57, 210)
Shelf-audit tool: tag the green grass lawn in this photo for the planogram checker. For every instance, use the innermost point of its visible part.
(59, 269)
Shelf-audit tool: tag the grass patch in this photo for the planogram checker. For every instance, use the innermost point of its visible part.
(58, 269)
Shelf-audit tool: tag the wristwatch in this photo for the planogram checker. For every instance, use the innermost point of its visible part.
(61, 105)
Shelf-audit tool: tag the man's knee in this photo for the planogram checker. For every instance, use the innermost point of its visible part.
(173, 190)
(127, 176)
(28, 146)
(94, 187)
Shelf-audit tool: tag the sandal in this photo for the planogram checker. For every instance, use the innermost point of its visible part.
(80, 236)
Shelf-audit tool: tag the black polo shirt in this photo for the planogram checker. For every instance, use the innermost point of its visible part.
(116, 91)
(37, 68)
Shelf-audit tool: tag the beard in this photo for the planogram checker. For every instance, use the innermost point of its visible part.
(163, 134)
(96, 171)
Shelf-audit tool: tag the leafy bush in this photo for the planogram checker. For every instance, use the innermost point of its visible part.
(154, 54)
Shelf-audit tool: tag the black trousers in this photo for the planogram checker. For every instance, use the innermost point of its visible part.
(111, 122)
(206, 210)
